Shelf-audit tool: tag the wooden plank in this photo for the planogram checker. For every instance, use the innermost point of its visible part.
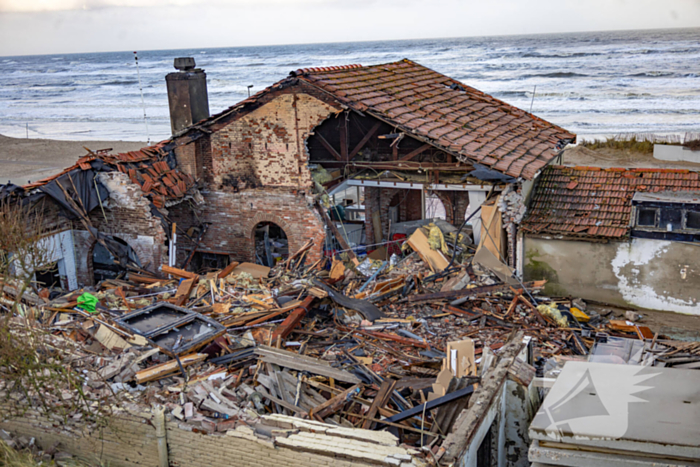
(184, 290)
(452, 294)
(292, 321)
(330, 148)
(164, 369)
(298, 362)
(415, 152)
(275, 313)
(364, 140)
(282, 403)
(393, 337)
(433, 258)
(344, 138)
(227, 270)
(333, 404)
(341, 240)
(177, 272)
(382, 397)
(288, 325)
(141, 279)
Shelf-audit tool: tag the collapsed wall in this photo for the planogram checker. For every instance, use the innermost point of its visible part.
(126, 214)
(130, 440)
(254, 170)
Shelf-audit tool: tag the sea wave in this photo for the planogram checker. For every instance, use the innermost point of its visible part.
(629, 79)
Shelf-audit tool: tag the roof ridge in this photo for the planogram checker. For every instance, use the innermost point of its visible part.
(324, 69)
(592, 168)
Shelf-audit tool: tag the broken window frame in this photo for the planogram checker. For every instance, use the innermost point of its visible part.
(657, 222)
(661, 207)
(185, 317)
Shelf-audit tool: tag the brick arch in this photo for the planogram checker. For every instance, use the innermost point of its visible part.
(446, 200)
(249, 230)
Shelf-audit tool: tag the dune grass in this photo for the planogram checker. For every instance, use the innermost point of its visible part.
(10, 457)
(631, 144)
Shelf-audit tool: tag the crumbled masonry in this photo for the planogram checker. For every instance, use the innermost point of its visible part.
(274, 355)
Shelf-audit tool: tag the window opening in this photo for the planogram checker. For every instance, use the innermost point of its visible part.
(271, 244)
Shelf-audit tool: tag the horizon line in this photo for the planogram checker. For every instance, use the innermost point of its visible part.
(350, 42)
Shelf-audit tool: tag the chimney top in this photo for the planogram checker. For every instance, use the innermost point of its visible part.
(184, 63)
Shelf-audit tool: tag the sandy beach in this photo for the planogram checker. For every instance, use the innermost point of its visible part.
(24, 160)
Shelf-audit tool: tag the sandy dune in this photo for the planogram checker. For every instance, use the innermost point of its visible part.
(24, 160)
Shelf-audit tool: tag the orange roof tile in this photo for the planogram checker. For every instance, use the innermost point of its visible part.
(145, 167)
(451, 115)
(596, 202)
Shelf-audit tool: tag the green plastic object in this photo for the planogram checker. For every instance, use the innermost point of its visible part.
(88, 302)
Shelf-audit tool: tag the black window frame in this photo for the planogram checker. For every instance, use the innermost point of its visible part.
(657, 215)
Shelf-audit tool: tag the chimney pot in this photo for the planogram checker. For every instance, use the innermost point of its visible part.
(184, 63)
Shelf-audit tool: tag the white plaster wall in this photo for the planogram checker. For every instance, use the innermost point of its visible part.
(641, 273)
(666, 152)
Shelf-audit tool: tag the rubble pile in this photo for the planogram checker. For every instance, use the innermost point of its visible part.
(383, 345)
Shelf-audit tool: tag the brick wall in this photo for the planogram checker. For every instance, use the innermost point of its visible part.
(187, 160)
(409, 207)
(126, 215)
(456, 203)
(267, 145)
(254, 169)
(234, 216)
(131, 441)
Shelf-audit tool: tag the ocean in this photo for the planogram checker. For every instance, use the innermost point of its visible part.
(594, 84)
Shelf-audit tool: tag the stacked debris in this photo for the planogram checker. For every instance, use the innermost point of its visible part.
(381, 345)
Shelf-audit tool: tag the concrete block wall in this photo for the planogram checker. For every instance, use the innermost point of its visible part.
(130, 441)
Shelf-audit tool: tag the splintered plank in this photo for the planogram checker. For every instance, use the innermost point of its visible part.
(165, 369)
(289, 324)
(333, 404)
(177, 272)
(184, 290)
(298, 362)
(227, 270)
(385, 391)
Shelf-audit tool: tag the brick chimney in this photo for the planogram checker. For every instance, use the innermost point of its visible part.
(187, 94)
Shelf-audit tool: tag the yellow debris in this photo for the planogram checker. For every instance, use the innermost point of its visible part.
(579, 315)
(552, 311)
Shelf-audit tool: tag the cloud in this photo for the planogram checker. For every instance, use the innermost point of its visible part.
(35, 6)
(74, 26)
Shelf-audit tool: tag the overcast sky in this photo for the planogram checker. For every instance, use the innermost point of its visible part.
(68, 26)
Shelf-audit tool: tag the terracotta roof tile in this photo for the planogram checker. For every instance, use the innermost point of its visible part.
(146, 167)
(595, 202)
(433, 106)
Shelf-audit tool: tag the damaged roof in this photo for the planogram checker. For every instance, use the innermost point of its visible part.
(453, 116)
(593, 202)
(433, 108)
(153, 168)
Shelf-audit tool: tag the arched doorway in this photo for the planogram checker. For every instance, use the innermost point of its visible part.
(105, 266)
(271, 244)
(434, 206)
